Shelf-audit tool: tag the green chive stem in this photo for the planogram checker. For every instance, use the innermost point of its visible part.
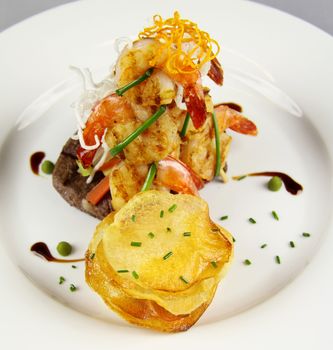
(183, 279)
(185, 125)
(172, 208)
(214, 264)
(187, 234)
(135, 275)
(145, 125)
(122, 271)
(150, 178)
(225, 217)
(275, 215)
(263, 246)
(252, 221)
(133, 218)
(151, 235)
(306, 234)
(278, 260)
(61, 280)
(166, 256)
(72, 288)
(247, 262)
(292, 244)
(217, 145)
(135, 82)
(161, 213)
(136, 244)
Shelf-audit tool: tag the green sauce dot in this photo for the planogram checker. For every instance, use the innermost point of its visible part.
(64, 248)
(274, 184)
(47, 167)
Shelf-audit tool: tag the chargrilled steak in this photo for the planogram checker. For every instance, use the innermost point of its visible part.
(73, 187)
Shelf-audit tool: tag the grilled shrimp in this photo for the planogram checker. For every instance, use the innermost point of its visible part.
(198, 150)
(162, 86)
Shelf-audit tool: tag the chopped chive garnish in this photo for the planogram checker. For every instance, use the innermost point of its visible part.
(240, 178)
(172, 208)
(278, 260)
(61, 280)
(92, 256)
(252, 221)
(133, 218)
(135, 82)
(185, 125)
(247, 262)
(150, 178)
(161, 213)
(168, 229)
(74, 267)
(72, 288)
(136, 244)
(263, 246)
(145, 125)
(151, 235)
(306, 234)
(234, 239)
(166, 256)
(135, 275)
(292, 244)
(217, 145)
(225, 217)
(122, 271)
(214, 264)
(183, 279)
(275, 216)
(187, 234)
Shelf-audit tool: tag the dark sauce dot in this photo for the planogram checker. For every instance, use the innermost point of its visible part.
(35, 161)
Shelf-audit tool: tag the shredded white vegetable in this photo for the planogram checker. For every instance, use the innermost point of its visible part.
(102, 159)
(179, 97)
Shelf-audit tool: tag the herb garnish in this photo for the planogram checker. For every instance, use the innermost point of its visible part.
(214, 264)
(145, 125)
(183, 279)
(133, 218)
(217, 145)
(306, 234)
(92, 256)
(185, 125)
(187, 234)
(136, 244)
(74, 267)
(292, 244)
(252, 221)
(172, 208)
(247, 262)
(168, 229)
(263, 246)
(72, 288)
(161, 213)
(278, 260)
(122, 271)
(166, 256)
(61, 280)
(275, 215)
(151, 235)
(135, 82)
(225, 217)
(135, 275)
(150, 178)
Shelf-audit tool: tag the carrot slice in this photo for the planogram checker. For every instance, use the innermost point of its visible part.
(99, 191)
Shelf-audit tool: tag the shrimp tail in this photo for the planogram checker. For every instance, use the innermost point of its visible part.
(215, 72)
(195, 103)
(229, 118)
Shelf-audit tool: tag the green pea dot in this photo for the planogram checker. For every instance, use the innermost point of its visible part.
(47, 167)
(64, 248)
(274, 184)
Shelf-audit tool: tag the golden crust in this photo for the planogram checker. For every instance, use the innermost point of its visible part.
(140, 301)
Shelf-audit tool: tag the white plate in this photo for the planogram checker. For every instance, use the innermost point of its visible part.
(277, 67)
